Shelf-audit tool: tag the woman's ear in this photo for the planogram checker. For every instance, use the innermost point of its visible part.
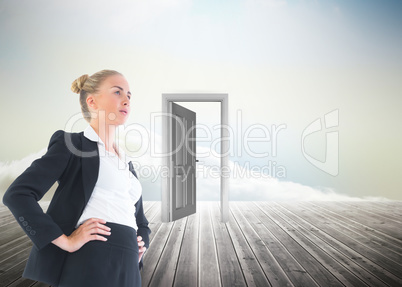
(91, 102)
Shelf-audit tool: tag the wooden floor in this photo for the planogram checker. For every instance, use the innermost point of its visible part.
(263, 244)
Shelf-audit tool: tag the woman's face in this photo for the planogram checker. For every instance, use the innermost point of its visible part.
(112, 102)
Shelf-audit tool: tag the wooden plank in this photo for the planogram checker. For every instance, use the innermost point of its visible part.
(165, 270)
(294, 271)
(10, 262)
(252, 271)
(154, 220)
(394, 212)
(392, 207)
(327, 243)
(374, 221)
(15, 243)
(13, 273)
(373, 209)
(148, 205)
(187, 267)
(356, 242)
(208, 264)
(22, 282)
(310, 264)
(6, 218)
(314, 247)
(336, 239)
(2, 206)
(151, 211)
(392, 249)
(274, 272)
(11, 252)
(153, 217)
(230, 271)
(153, 254)
(13, 231)
(249, 247)
(378, 237)
(267, 242)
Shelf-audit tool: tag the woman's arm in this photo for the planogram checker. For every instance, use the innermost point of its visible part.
(143, 230)
(142, 223)
(87, 231)
(24, 193)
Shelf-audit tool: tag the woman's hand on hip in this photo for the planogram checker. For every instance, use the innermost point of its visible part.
(90, 230)
(141, 247)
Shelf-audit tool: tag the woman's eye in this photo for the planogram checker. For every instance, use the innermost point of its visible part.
(117, 92)
(129, 97)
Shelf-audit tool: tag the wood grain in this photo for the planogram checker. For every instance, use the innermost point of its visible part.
(263, 244)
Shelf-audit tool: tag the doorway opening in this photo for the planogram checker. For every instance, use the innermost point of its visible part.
(178, 189)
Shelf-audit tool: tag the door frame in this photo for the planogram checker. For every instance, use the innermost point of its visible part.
(166, 137)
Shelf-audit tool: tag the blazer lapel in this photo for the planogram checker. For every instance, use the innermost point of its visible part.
(90, 166)
(131, 168)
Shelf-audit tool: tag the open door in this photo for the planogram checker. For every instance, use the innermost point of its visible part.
(171, 209)
(182, 162)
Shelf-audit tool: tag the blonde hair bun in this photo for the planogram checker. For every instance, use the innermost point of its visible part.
(78, 83)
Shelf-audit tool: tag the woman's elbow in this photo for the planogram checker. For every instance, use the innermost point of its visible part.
(7, 198)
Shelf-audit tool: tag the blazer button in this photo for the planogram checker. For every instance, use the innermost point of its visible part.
(25, 223)
(21, 218)
(33, 232)
(28, 228)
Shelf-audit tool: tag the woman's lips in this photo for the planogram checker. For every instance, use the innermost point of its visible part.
(125, 112)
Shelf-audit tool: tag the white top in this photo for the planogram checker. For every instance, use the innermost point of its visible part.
(116, 190)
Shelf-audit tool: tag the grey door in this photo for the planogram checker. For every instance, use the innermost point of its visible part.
(182, 162)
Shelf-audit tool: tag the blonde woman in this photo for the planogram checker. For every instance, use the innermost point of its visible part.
(94, 232)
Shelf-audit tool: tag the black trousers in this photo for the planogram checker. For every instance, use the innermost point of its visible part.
(111, 263)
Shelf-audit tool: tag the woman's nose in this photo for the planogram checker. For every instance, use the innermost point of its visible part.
(127, 101)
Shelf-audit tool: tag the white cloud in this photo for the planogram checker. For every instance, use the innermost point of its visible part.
(245, 183)
(250, 184)
(9, 171)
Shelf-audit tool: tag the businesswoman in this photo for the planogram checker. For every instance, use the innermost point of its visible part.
(94, 232)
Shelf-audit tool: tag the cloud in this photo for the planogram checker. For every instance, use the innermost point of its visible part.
(9, 171)
(250, 182)
(247, 182)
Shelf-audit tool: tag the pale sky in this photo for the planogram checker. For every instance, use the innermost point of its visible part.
(282, 63)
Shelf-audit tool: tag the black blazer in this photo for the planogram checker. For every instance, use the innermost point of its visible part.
(73, 161)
